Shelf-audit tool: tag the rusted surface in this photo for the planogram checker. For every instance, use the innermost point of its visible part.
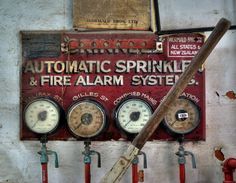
(219, 154)
(231, 95)
(141, 176)
(129, 50)
(112, 14)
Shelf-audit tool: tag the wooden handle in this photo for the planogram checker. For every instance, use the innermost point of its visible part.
(158, 115)
(118, 170)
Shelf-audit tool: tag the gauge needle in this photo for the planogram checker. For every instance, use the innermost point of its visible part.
(173, 123)
(127, 123)
(134, 116)
(35, 124)
(78, 126)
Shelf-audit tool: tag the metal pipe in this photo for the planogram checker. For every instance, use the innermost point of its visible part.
(182, 161)
(44, 172)
(134, 173)
(88, 160)
(44, 152)
(87, 172)
(229, 167)
(182, 173)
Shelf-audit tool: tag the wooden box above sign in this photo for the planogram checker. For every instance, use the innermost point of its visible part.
(112, 14)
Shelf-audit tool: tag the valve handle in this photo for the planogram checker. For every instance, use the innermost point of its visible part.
(144, 159)
(88, 153)
(99, 157)
(49, 152)
(182, 153)
(44, 155)
(192, 157)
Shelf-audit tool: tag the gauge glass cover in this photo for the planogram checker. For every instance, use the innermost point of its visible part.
(132, 115)
(86, 119)
(42, 116)
(183, 116)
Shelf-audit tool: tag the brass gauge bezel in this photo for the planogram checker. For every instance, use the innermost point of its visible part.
(118, 111)
(57, 110)
(195, 114)
(98, 106)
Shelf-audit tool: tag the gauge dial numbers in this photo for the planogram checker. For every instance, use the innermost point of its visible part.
(132, 115)
(86, 119)
(42, 115)
(183, 116)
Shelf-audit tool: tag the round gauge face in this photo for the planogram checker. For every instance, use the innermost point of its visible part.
(183, 116)
(86, 119)
(42, 116)
(132, 115)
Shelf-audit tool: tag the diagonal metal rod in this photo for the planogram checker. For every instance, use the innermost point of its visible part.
(120, 167)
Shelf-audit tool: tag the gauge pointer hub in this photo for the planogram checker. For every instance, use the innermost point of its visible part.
(86, 118)
(42, 116)
(134, 116)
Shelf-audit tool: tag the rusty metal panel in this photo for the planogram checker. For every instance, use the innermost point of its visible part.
(112, 14)
(109, 68)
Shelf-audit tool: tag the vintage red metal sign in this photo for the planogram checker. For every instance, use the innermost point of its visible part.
(107, 67)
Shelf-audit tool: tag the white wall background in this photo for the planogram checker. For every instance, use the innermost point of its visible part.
(19, 161)
(180, 14)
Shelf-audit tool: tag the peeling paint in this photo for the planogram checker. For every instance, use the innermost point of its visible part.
(231, 95)
(219, 154)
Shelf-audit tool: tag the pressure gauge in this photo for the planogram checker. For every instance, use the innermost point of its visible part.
(86, 119)
(42, 115)
(132, 115)
(183, 116)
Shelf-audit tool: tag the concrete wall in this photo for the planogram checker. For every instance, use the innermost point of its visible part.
(19, 161)
(179, 14)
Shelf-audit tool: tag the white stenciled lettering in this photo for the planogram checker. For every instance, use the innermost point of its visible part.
(59, 67)
(55, 80)
(191, 96)
(49, 65)
(159, 80)
(150, 66)
(100, 80)
(105, 66)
